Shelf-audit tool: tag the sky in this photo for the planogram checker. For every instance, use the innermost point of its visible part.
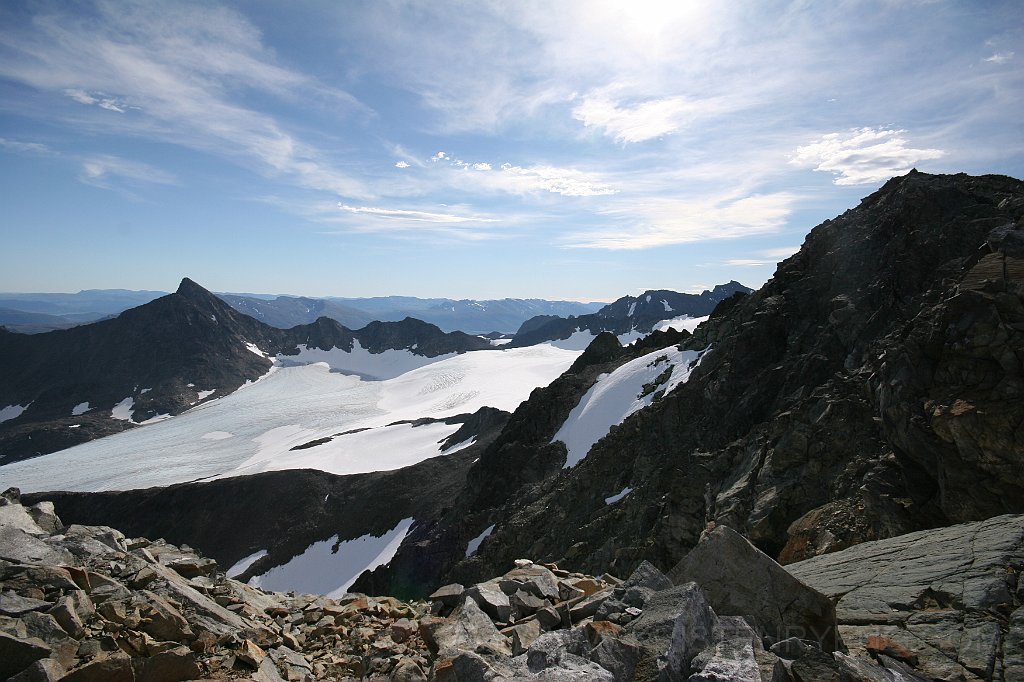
(473, 149)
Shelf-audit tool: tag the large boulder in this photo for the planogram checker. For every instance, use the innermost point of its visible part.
(937, 600)
(740, 580)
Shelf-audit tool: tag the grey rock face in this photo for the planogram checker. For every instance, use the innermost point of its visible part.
(740, 580)
(935, 593)
(468, 628)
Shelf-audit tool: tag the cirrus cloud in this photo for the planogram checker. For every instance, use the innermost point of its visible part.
(658, 222)
(862, 155)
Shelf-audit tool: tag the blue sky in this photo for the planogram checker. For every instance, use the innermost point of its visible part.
(580, 150)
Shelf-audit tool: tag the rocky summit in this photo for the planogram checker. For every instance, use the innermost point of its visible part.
(85, 603)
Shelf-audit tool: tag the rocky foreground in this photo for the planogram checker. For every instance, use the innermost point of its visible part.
(85, 603)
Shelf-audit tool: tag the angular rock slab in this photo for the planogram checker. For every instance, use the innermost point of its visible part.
(740, 580)
(933, 592)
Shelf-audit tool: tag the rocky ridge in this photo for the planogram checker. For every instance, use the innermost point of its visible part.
(871, 388)
(627, 314)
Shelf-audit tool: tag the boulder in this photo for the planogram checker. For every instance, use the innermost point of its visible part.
(740, 580)
(13, 604)
(467, 629)
(492, 600)
(677, 624)
(18, 653)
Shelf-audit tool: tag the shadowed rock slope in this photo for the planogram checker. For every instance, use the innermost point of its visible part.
(872, 387)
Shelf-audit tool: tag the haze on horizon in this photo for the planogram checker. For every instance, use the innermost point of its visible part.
(579, 151)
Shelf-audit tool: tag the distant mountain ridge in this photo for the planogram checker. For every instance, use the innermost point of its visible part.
(628, 314)
(468, 315)
(61, 311)
(69, 386)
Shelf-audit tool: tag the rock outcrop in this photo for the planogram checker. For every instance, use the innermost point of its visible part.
(871, 388)
(947, 602)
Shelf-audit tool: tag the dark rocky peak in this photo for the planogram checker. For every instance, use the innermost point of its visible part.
(324, 333)
(418, 336)
(190, 289)
(604, 348)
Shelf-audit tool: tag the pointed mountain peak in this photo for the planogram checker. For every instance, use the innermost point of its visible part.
(187, 287)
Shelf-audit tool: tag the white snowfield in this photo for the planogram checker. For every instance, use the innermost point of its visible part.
(254, 428)
(361, 362)
(680, 323)
(617, 395)
(329, 567)
(581, 338)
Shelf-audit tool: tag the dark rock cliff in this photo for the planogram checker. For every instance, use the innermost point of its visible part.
(872, 387)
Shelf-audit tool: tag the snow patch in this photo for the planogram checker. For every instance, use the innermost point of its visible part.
(377, 449)
(12, 412)
(648, 298)
(680, 323)
(203, 395)
(618, 496)
(79, 409)
(578, 340)
(668, 308)
(75, 426)
(632, 309)
(145, 391)
(499, 342)
(617, 395)
(329, 567)
(242, 565)
(123, 410)
(474, 544)
(252, 348)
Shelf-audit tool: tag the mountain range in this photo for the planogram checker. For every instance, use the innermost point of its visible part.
(35, 313)
(873, 388)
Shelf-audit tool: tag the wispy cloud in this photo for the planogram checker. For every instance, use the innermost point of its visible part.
(862, 155)
(101, 171)
(36, 148)
(180, 69)
(641, 121)
(417, 216)
(1000, 57)
(565, 181)
(525, 180)
(663, 222)
(99, 99)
